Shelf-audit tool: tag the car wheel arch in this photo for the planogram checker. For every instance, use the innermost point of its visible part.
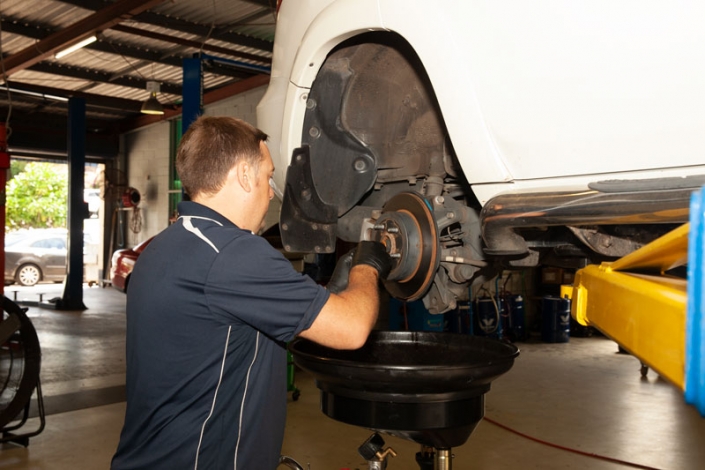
(401, 131)
(372, 100)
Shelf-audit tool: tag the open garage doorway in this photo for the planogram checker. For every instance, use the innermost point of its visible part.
(36, 235)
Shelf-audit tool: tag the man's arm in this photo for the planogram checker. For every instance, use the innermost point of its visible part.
(347, 318)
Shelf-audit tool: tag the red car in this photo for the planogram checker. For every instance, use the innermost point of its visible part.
(123, 261)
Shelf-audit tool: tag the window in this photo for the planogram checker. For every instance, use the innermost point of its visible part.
(55, 243)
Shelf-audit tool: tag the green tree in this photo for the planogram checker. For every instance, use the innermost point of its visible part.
(17, 167)
(37, 197)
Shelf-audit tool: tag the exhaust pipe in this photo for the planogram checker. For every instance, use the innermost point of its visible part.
(505, 213)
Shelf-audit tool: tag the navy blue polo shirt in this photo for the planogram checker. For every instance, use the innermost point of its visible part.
(209, 310)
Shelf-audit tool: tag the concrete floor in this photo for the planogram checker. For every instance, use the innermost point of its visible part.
(581, 395)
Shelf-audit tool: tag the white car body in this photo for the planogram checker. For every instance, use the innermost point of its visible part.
(536, 97)
(534, 94)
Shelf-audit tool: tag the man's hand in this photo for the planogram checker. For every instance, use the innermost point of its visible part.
(370, 253)
(346, 319)
(373, 254)
(341, 274)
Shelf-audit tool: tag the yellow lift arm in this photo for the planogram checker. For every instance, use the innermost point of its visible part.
(645, 314)
(658, 318)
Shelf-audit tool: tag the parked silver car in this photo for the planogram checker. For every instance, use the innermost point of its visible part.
(35, 255)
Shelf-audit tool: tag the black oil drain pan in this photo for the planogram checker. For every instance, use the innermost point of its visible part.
(424, 386)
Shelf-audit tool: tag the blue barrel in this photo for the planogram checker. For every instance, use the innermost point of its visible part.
(555, 320)
(489, 321)
(460, 319)
(413, 316)
(517, 320)
(505, 309)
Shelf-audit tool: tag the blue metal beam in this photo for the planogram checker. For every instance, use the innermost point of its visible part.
(695, 310)
(192, 90)
(72, 298)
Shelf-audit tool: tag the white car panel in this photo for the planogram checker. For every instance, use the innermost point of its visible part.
(528, 90)
(550, 97)
(350, 17)
(564, 88)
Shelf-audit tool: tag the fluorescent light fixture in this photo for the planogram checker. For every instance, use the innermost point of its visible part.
(75, 47)
(35, 94)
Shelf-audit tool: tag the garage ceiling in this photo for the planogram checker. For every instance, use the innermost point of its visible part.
(137, 41)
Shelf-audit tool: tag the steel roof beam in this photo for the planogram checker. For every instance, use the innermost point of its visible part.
(202, 31)
(189, 43)
(104, 18)
(101, 77)
(23, 28)
(178, 24)
(265, 3)
(36, 31)
(154, 56)
(92, 100)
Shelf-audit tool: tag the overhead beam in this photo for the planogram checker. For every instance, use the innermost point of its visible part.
(154, 56)
(203, 30)
(102, 19)
(225, 29)
(190, 43)
(39, 135)
(101, 77)
(92, 99)
(23, 28)
(38, 32)
(265, 3)
(178, 24)
(244, 21)
(44, 111)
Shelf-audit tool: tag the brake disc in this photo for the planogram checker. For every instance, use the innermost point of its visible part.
(407, 227)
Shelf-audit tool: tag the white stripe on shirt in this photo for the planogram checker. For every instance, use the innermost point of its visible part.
(188, 225)
(244, 395)
(215, 396)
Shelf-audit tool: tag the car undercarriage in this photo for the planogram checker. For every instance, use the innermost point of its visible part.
(376, 163)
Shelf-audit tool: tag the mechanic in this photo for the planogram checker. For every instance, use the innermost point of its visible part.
(211, 306)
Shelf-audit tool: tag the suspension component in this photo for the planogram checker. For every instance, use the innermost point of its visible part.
(407, 227)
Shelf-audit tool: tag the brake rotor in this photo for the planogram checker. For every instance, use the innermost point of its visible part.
(407, 228)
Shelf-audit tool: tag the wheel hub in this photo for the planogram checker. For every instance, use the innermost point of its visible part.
(407, 228)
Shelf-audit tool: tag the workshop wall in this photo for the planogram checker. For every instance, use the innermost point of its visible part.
(147, 153)
(147, 157)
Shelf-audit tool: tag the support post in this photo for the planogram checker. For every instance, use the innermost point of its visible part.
(72, 298)
(695, 316)
(192, 90)
(4, 168)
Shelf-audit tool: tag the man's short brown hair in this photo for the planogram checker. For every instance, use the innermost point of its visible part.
(211, 147)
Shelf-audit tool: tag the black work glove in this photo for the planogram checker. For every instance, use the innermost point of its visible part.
(341, 274)
(373, 254)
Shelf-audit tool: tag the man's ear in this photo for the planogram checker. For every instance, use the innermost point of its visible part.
(244, 176)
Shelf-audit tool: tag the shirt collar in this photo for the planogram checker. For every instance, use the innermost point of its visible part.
(191, 208)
